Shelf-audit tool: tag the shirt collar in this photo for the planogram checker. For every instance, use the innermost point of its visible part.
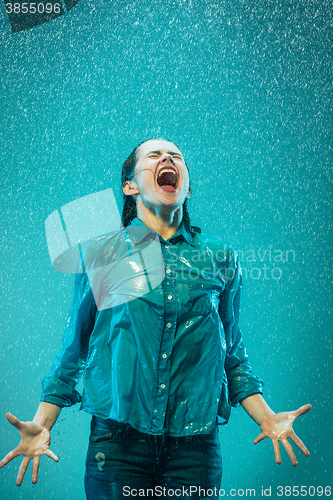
(138, 231)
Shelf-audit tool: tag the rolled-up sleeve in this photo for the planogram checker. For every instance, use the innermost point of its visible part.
(241, 382)
(58, 387)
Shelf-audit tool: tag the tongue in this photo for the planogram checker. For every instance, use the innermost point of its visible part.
(167, 179)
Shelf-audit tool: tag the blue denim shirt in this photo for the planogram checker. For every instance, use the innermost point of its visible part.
(167, 359)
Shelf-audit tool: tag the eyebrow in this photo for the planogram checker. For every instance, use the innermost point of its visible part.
(169, 153)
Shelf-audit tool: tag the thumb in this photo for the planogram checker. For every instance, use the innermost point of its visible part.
(14, 421)
(303, 409)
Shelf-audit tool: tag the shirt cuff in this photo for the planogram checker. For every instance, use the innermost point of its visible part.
(253, 387)
(57, 392)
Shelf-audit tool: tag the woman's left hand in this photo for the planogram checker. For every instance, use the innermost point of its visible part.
(278, 427)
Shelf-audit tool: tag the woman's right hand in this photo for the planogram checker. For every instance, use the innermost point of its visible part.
(35, 441)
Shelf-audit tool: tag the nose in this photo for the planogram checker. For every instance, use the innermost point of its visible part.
(167, 158)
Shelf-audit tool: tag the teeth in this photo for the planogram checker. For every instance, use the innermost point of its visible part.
(167, 170)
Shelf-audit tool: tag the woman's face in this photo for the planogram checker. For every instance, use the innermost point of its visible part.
(160, 177)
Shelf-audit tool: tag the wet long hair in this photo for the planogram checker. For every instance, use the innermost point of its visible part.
(129, 203)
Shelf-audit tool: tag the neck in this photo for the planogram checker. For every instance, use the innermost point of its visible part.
(165, 223)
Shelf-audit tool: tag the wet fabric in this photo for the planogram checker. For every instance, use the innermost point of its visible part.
(122, 462)
(166, 360)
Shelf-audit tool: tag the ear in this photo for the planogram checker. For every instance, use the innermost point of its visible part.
(130, 188)
(189, 192)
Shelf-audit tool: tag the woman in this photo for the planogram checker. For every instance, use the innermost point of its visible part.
(163, 365)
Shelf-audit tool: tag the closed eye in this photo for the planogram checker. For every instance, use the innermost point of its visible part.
(157, 154)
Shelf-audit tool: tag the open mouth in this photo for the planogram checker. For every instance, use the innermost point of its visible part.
(167, 179)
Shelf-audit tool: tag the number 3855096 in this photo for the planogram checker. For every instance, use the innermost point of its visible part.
(32, 8)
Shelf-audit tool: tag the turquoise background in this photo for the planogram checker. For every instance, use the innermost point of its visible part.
(244, 88)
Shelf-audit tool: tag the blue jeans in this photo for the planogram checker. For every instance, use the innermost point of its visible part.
(121, 461)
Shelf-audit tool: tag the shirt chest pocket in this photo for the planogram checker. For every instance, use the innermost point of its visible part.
(201, 299)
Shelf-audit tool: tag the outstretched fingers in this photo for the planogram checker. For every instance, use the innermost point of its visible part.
(300, 444)
(277, 451)
(36, 462)
(10, 456)
(14, 421)
(290, 451)
(259, 438)
(278, 428)
(52, 455)
(302, 410)
(22, 470)
(35, 469)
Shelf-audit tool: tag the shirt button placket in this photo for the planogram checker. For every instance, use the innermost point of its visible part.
(170, 315)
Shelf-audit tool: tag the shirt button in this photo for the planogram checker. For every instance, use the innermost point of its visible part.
(168, 271)
(162, 386)
(169, 325)
(170, 297)
(164, 355)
